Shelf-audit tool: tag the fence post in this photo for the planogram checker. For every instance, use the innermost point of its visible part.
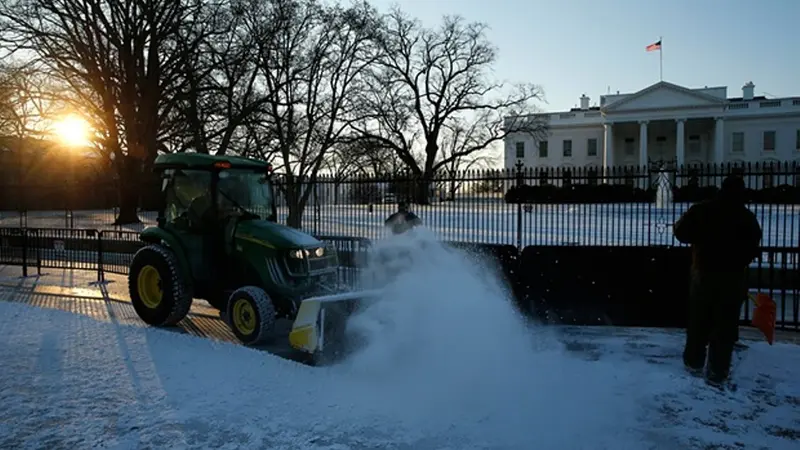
(24, 252)
(316, 210)
(520, 181)
(38, 257)
(100, 272)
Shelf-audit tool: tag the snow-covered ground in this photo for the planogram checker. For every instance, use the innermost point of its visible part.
(69, 381)
(448, 364)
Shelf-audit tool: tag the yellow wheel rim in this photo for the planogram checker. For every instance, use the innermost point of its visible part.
(149, 287)
(244, 317)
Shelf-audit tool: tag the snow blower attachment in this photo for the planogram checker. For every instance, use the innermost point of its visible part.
(320, 328)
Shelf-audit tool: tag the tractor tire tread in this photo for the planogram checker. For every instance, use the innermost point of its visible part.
(264, 308)
(181, 293)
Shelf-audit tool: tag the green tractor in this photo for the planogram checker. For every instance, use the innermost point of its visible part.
(217, 239)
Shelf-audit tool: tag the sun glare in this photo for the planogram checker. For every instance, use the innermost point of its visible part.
(72, 131)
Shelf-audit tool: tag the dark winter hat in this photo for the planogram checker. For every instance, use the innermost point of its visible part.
(733, 187)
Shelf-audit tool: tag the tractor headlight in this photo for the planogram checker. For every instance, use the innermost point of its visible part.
(305, 253)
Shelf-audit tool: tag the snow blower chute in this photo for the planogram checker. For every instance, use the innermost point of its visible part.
(320, 326)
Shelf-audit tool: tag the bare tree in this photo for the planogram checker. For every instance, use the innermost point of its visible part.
(257, 141)
(121, 61)
(425, 79)
(26, 102)
(372, 157)
(458, 137)
(223, 95)
(8, 102)
(341, 165)
(311, 58)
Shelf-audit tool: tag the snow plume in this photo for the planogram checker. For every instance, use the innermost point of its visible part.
(446, 347)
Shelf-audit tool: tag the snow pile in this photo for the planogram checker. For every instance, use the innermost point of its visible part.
(446, 347)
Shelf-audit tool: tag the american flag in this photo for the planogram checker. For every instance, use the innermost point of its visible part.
(654, 46)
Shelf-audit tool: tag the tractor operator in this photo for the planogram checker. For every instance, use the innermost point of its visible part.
(725, 237)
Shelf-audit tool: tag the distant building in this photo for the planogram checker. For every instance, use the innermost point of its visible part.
(664, 125)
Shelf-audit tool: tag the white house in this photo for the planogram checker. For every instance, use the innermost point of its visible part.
(665, 124)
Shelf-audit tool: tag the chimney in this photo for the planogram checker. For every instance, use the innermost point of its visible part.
(584, 102)
(747, 90)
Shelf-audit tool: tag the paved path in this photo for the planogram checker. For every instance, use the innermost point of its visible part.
(78, 292)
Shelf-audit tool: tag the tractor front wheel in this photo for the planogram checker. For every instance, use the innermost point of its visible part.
(251, 315)
(158, 291)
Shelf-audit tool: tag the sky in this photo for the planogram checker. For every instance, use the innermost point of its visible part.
(572, 47)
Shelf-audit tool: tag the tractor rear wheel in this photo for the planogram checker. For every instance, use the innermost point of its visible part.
(158, 291)
(251, 315)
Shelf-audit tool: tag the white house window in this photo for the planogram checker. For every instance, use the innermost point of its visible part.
(591, 146)
(737, 143)
(568, 148)
(694, 143)
(797, 140)
(520, 150)
(630, 146)
(543, 149)
(769, 141)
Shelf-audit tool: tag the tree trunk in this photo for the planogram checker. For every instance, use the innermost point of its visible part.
(295, 217)
(128, 194)
(422, 194)
(294, 190)
(128, 205)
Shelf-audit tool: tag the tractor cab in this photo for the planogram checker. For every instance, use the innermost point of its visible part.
(207, 197)
(204, 201)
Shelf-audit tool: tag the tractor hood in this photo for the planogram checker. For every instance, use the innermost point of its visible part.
(271, 234)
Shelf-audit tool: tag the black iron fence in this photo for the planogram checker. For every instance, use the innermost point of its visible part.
(623, 206)
(111, 251)
(594, 285)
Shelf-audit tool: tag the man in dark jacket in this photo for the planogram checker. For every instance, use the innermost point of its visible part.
(403, 220)
(725, 237)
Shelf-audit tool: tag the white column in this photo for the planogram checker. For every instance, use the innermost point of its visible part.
(719, 140)
(680, 143)
(642, 142)
(608, 146)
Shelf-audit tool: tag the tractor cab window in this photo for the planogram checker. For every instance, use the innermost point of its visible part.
(187, 196)
(244, 190)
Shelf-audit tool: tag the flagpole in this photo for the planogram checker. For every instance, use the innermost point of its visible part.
(661, 59)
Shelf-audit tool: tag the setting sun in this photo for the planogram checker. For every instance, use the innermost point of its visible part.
(72, 131)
